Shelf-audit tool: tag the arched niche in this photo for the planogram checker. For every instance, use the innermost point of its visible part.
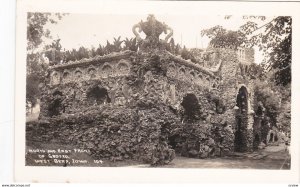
(199, 78)
(207, 81)
(181, 72)
(107, 70)
(123, 67)
(66, 76)
(192, 75)
(55, 78)
(92, 72)
(171, 72)
(215, 85)
(78, 73)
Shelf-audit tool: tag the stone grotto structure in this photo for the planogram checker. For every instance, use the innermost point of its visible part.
(150, 105)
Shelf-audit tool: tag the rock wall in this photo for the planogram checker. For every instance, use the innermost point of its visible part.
(140, 115)
(231, 80)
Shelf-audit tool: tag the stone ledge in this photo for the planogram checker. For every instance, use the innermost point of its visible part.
(95, 60)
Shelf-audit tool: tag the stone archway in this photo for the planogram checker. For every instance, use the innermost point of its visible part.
(97, 95)
(55, 107)
(191, 106)
(240, 141)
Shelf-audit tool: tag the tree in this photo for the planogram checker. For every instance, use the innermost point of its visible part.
(273, 38)
(53, 52)
(222, 38)
(266, 94)
(36, 66)
(276, 43)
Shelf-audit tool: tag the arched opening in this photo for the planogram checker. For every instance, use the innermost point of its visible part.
(242, 100)
(207, 82)
(182, 72)
(171, 72)
(175, 142)
(66, 76)
(78, 74)
(191, 107)
(275, 138)
(107, 70)
(55, 78)
(55, 106)
(240, 141)
(98, 96)
(192, 75)
(123, 68)
(92, 73)
(271, 137)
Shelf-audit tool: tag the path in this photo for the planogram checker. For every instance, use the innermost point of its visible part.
(273, 157)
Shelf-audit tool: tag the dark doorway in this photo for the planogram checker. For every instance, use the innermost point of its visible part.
(98, 96)
(240, 141)
(55, 107)
(191, 107)
(271, 137)
(275, 138)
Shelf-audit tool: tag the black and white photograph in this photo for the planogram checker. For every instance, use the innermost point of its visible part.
(158, 90)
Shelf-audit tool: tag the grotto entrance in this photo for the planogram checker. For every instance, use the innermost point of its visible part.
(55, 107)
(191, 107)
(190, 113)
(97, 96)
(240, 141)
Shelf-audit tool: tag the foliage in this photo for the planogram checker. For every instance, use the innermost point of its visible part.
(36, 34)
(281, 59)
(270, 98)
(36, 31)
(284, 116)
(112, 133)
(83, 52)
(222, 38)
(255, 71)
(130, 44)
(32, 89)
(53, 52)
(275, 41)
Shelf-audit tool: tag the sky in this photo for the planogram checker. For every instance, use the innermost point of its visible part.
(89, 30)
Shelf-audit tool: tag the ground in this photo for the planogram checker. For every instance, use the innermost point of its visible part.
(263, 160)
(273, 157)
